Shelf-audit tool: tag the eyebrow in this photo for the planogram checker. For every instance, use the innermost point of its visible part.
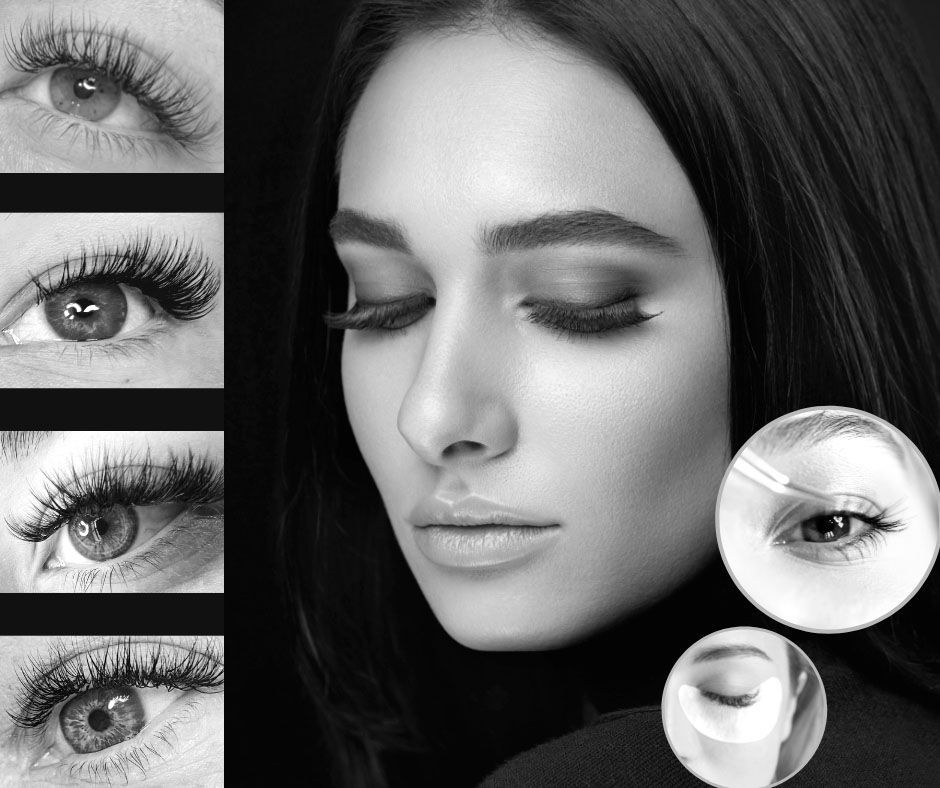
(729, 650)
(18, 444)
(816, 428)
(558, 228)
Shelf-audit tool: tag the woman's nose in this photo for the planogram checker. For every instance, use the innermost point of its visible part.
(458, 408)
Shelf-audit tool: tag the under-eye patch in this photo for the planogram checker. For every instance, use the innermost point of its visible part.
(734, 719)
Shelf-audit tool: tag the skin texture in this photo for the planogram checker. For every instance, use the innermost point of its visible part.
(194, 563)
(188, 33)
(620, 438)
(745, 765)
(861, 583)
(187, 354)
(45, 758)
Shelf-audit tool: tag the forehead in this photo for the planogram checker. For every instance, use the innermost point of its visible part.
(492, 125)
(774, 647)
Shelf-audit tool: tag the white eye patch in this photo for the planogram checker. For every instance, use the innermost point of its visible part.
(730, 723)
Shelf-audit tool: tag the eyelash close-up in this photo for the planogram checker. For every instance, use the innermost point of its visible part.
(96, 68)
(735, 701)
(87, 296)
(835, 530)
(131, 508)
(401, 313)
(96, 698)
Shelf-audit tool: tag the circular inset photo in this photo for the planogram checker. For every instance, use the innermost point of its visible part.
(828, 519)
(744, 708)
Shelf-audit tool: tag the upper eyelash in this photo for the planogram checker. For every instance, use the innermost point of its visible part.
(590, 320)
(84, 43)
(176, 273)
(128, 480)
(383, 314)
(126, 661)
(736, 701)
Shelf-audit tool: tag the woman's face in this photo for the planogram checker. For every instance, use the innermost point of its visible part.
(729, 705)
(549, 431)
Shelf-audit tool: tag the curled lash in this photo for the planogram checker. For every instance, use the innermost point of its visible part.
(44, 683)
(736, 701)
(589, 320)
(174, 272)
(85, 44)
(385, 315)
(127, 480)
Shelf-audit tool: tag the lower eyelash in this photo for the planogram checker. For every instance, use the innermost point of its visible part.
(100, 141)
(119, 766)
(152, 558)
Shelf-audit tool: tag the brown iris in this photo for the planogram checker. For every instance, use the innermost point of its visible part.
(827, 528)
(105, 534)
(87, 312)
(88, 93)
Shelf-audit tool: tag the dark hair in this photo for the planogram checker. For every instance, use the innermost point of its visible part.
(809, 137)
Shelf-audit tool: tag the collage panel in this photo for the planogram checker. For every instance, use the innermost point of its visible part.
(112, 710)
(112, 511)
(111, 300)
(109, 86)
(834, 504)
(744, 708)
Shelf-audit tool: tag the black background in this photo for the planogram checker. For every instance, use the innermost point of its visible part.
(278, 53)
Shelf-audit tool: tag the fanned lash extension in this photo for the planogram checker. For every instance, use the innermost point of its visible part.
(174, 272)
(80, 42)
(136, 662)
(127, 480)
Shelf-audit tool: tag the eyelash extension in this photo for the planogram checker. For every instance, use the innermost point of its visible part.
(396, 315)
(383, 315)
(880, 525)
(46, 683)
(82, 43)
(175, 273)
(735, 701)
(592, 320)
(127, 480)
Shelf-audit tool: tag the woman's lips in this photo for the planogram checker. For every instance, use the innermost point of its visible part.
(475, 533)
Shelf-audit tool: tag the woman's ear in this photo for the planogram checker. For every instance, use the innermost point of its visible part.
(791, 709)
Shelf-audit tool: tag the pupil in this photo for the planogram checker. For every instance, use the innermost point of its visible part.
(85, 88)
(99, 720)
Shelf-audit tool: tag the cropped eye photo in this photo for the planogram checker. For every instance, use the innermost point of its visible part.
(744, 708)
(112, 86)
(828, 519)
(111, 300)
(115, 710)
(112, 512)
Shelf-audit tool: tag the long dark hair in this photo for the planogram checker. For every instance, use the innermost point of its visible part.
(810, 139)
